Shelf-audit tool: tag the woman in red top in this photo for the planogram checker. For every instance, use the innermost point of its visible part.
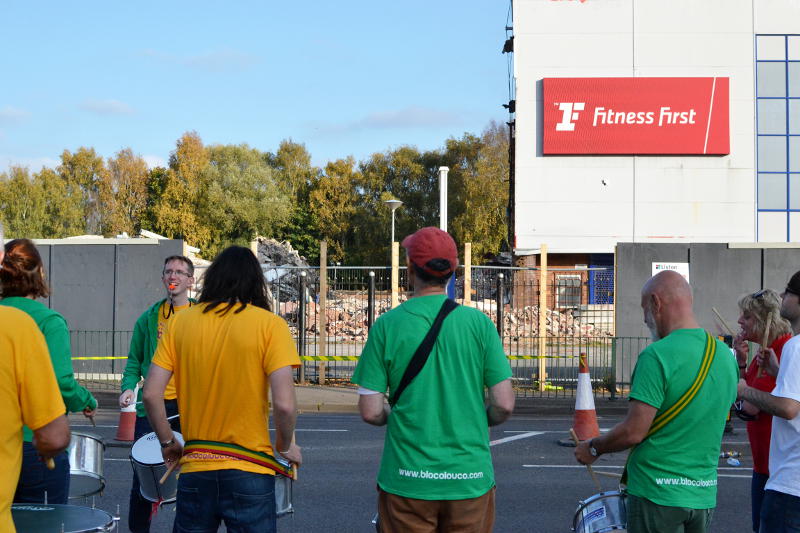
(754, 310)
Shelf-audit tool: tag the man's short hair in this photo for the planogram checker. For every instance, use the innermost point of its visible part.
(186, 261)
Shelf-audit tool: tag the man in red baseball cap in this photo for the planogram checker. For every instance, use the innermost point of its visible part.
(436, 472)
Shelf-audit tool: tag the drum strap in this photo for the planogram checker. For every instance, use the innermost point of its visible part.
(669, 414)
(238, 452)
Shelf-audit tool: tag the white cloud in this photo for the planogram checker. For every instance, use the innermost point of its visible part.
(407, 118)
(224, 60)
(154, 161)
(107, 107)
(12, 115)
(35, 164)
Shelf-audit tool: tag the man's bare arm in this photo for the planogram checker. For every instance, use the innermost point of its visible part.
(627, 433)
(373, 409)
(284, 413)
(501, 402)
(52, 438)
(786, 408)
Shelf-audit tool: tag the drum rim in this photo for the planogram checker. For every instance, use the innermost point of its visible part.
(621, 494)
(92, 436)
(106, 527)
(83, 473)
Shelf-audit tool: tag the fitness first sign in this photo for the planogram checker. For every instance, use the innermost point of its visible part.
(636, 116)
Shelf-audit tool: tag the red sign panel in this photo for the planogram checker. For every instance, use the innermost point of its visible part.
(636, 116)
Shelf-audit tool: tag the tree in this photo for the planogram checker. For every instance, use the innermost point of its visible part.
(21, 204)
(123, 193)
(242, 197)
(297, 177)
(176, 212)
(480, 200)
(83, 171)
(335, 202)
(63, 205)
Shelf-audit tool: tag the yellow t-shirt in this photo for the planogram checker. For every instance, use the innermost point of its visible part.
(221, 366)
(29, 394)
(169, 392)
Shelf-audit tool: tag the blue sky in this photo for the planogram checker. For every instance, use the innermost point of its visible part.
(345, 78)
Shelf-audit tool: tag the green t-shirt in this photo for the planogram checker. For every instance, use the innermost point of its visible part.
(54, 328)
(677, 466)
(437, 438)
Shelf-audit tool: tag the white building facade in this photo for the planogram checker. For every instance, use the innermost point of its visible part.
(587, 199)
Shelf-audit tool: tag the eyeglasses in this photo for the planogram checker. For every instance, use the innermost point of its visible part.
(759, 294)
(180, 273)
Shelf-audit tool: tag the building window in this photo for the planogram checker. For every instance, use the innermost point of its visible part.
(568, 291)
(778, 137)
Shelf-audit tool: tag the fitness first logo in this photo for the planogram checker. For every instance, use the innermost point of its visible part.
(602, 116)
(569, 114)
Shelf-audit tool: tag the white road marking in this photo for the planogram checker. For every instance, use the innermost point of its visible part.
(515, 437)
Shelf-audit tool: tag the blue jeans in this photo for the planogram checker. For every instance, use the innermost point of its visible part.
(35, 479)
(757, 496)
(139, 508)
(780, 513)
(243, 500)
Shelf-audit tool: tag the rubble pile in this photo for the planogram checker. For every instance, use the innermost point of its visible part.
(346, 319)
(525, 323)
(284, 276)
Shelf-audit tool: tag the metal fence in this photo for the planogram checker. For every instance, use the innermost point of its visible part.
(331, 329)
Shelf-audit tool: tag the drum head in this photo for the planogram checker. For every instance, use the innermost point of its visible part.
(32, 518)
(147, 450)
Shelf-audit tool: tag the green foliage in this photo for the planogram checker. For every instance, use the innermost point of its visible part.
(21, 204)
(83, 172)
(224, 194)
(242, 198)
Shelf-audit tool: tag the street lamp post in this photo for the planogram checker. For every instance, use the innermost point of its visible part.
(393, 205)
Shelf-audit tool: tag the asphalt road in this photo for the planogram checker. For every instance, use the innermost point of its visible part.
(538, 482)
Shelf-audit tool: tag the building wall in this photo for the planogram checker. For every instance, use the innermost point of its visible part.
(589, 203)
(105, 286)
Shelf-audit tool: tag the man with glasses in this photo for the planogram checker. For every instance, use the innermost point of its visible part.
(780, 509)
(177, 277)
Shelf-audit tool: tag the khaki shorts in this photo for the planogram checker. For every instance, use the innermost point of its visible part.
(408, 515)
(645, 516)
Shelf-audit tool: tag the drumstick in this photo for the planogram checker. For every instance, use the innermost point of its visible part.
(168, 472)
(608, 474)
(91, 419)
(295, 467)
(764, 341)
(724, 324)
(588, 467)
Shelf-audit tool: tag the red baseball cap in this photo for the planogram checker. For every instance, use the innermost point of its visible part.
(431, 243)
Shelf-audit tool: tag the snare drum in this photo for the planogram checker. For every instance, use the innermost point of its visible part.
(35, 518)
(85, 464)
(148, 465)
(600, 513)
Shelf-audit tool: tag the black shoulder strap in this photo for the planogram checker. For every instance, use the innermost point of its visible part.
(423, 351)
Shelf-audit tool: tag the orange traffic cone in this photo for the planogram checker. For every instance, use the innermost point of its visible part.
(127, 420)
(585, 422)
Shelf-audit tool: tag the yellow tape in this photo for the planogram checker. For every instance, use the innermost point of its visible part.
(329, 357)
(355, 357)
(97, 358)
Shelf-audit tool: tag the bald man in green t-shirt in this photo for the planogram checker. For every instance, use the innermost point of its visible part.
(682, 389)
